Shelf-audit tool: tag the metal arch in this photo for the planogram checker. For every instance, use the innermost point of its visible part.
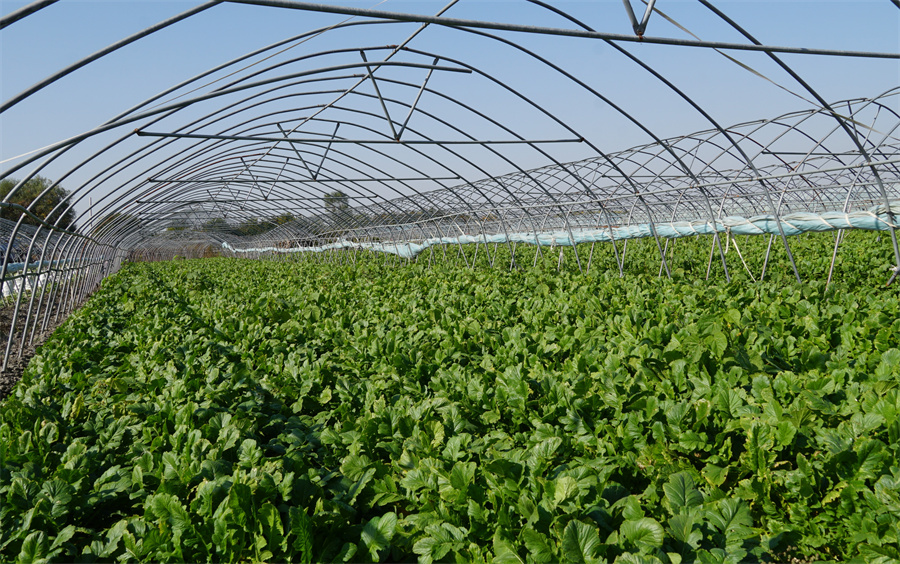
(800, 118)
(454, 101)
(462, 23)
(479, 114)
(558, 121)
(175, 106)
(737, 147)
(24, 11)
(458, 23)
(240, 58)
(103, 52)
(615, 106)
(194, 79)
(23, 181)
(646, 130)
(825, 105)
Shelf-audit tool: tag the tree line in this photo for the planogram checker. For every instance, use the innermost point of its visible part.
(63, 217)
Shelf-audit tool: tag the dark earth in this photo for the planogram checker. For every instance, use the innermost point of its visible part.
(16, 367)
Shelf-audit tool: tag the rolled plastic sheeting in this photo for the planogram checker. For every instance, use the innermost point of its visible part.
(874, 219)
(11, 287)
(17, 266)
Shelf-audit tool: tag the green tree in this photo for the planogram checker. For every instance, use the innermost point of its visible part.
(250, 226)
(336, 203)
(216, 225)
(283, 218)
(255, 226)
(43, 207)
(337, 206)
(115, 221)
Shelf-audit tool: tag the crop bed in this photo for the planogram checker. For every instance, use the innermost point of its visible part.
(224, 410)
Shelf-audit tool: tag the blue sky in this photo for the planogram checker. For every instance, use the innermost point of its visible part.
(71, 29)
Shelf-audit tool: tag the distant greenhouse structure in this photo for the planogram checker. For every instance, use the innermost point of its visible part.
(458, 132)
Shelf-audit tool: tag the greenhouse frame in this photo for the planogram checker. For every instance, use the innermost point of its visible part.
(411, 135)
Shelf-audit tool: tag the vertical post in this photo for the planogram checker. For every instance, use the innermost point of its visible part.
(32, 315)
(766, 260)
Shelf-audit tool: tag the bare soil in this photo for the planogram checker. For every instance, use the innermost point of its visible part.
(16, 366)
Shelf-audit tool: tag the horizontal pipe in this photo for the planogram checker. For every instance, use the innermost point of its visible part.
(245, 200)
(140, 133)
(17, 266)
(797, 173)
(296, 181)
(456, 22)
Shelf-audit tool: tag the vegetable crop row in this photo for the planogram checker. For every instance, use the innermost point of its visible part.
(292, 411)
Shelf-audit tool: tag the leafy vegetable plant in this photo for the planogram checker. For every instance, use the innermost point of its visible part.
(296, 411)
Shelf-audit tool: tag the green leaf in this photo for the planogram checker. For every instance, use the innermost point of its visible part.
(475, 511)
(874, 553)
(431, 548)
(646, 534)
(377, 534)
(348, 551)
(424, 547)
(505, 552)
(889, 366)
(566, 487)
(712, 556)
(870, 459)
(717, 343)
(714, 475)
(732, 316)
(249, 454)
(681, 492)
(884, 339)
(538, 546)
(238, 503)
(732, 518)
(455, 448)
(60, 494)
(33, 549)
(360, 485)
(759, 449)
(581, 543)
(354, 466)
(692, 441)
(631, 507)
(784, 433)
(62, 537)
(300, 528)
(462, 475)
(546, 448)
(682, 529)
(271, 528)
(167, 508)
(442, 539)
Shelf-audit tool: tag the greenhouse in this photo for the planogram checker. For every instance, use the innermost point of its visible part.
(677, 222)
